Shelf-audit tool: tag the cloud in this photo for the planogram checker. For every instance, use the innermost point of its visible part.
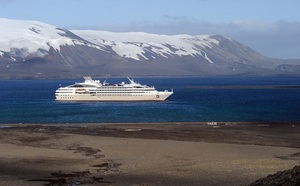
(274, 39)
(279, 39)
(7, 1)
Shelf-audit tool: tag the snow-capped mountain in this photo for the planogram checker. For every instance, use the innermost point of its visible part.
(145, 46)
(31, 49)
(21, 40)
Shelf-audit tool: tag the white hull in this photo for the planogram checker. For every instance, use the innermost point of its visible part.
(88, 97)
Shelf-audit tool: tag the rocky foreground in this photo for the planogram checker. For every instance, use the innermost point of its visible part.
(289, 177)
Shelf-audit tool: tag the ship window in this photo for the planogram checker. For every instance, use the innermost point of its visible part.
(92, 86)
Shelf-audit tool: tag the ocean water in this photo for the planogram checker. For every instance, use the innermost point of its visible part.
(204, 99)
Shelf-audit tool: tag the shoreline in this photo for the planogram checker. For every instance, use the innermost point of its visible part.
(222, 153)
(256, 133)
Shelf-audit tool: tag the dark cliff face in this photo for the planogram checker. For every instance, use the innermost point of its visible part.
(79, 56)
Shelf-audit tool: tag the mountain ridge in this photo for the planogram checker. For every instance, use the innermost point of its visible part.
(31, 49)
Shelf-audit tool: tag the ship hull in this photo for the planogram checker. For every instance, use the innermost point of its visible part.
(89, 97)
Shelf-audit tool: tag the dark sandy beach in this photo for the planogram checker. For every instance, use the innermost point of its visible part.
(146, 153)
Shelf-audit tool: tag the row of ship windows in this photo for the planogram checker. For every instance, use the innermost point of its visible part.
(119, 95)
(123, 92)
(116, 89)
(68, 97)
(120, 92)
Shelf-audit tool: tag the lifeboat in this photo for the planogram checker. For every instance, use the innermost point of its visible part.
(80, 90)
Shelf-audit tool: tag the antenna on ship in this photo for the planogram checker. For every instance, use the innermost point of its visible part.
(104, 82)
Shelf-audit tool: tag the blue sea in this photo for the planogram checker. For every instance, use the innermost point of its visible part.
(195, 99)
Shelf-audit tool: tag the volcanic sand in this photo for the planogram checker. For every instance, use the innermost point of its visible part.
(146, 153)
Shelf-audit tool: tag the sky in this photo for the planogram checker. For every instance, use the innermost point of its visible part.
(271, 27)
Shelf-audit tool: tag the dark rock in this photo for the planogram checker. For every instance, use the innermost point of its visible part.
(289, 177)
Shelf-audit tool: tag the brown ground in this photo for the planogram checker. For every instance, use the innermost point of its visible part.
(146, 154)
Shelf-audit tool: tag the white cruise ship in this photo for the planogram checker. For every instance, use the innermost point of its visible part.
(94, 90)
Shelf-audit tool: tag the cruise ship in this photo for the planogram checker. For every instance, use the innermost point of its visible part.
(94, 90)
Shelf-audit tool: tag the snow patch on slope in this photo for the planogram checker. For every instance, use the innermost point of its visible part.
(27, 37)
(135, 45)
